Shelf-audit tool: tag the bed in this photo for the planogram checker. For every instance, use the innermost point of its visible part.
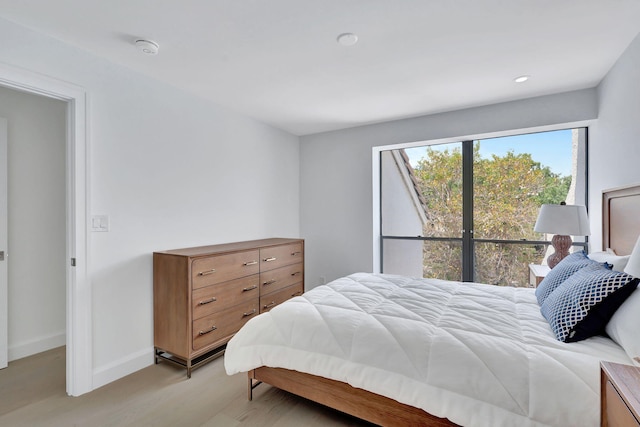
(395, 350)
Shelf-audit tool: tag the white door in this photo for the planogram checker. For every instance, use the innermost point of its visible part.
(4, 315)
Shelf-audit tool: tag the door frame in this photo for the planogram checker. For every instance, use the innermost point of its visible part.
(4, 270)
(79, 369)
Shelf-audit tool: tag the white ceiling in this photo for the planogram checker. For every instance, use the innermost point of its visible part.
(278, 60)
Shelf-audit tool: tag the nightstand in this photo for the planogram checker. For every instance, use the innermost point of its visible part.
(537, 272)
(619, 395)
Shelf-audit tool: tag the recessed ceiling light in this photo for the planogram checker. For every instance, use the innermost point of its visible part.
(147, 46)
(521, 79)
(347, 39)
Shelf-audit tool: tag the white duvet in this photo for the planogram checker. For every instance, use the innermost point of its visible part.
(478, 355)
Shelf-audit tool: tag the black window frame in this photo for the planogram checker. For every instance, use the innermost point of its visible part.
(467, 240)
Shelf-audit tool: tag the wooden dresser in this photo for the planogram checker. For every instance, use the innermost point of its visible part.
(620, 395)
(202, 296)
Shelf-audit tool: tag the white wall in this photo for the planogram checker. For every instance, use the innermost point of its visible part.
(336, 171)
(614, 141)
(400, 218)
(36, 247)
(171, 170)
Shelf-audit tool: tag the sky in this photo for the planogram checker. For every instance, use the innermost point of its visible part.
(551, 149)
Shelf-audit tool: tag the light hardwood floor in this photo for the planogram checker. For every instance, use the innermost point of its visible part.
(32, 393)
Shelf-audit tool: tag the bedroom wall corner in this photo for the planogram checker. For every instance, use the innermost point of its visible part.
(614, 151)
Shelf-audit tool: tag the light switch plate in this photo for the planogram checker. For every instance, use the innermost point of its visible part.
(100, 223)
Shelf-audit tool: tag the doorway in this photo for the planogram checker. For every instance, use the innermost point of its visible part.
(36, 232)
(78, 288)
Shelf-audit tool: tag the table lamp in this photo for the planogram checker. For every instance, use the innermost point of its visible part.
(563, 221)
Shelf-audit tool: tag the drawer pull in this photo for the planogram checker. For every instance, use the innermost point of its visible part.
(249, 313)
(206, 273)
(211, 329)
(208, 301)
(271, 304)
(297, 273)
(296, 253)
(296, 294)
(250, 263)
(269, 259)
(250, 288)
(270, 282)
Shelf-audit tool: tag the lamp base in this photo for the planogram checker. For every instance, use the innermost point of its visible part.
(561, 245)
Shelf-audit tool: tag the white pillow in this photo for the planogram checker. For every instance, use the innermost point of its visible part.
(619, 262)
(623, 326)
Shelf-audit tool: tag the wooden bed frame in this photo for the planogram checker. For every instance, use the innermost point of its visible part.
(621, 227)
(343, 397)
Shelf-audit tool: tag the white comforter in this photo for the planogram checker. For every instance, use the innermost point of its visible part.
(476, 354)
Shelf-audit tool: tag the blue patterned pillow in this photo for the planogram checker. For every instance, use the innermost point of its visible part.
(581, 306)
(561, 272)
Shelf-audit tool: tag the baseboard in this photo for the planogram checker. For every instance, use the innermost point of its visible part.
(36, 345)
(122, 367)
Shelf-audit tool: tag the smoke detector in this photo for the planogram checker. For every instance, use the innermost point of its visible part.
(347, 39)
(148, 47)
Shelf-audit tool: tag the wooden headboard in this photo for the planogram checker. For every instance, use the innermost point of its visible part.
(621, 218)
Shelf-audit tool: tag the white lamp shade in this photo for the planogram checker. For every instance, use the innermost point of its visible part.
(566, 220)
(633, 265)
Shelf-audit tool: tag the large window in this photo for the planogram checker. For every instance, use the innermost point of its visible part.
(466, 210)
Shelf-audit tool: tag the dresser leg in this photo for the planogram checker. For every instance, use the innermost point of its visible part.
(251, 384)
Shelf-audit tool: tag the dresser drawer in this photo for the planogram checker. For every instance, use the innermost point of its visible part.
(279, 256)
(273, 280)
(221, 325)
(221, 268)
(224, 295)
(267, 302)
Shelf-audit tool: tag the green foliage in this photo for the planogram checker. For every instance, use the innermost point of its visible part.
(442, 170)
(556, 188)
(508, 192)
